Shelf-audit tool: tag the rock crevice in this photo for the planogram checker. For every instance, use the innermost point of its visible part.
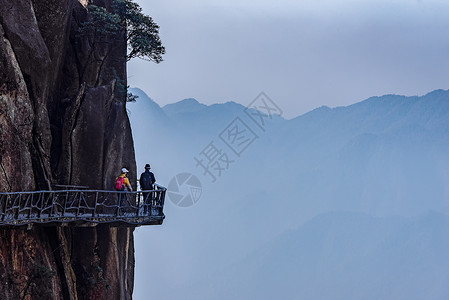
(62, 121)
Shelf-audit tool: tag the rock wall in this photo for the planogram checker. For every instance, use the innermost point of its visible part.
(62, 121)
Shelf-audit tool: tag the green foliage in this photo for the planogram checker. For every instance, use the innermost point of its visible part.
(100, 22)
(142, 33)
(130, 97)
(124, 90)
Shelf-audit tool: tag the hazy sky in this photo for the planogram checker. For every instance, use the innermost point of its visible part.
(303, 54)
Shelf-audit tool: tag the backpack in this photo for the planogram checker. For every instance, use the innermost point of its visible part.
(120, 183)
(146, 181)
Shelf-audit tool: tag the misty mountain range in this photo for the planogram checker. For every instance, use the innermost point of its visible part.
(339, 203)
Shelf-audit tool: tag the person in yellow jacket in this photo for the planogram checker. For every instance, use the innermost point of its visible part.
(122, 182)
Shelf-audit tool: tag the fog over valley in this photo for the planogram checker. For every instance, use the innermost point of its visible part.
(339, 203)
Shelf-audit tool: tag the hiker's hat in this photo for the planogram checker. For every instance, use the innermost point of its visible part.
(147, 166)
(125, 170)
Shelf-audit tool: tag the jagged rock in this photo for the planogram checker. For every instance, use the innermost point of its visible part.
(16, 119)
(62, 121)
(21, 29)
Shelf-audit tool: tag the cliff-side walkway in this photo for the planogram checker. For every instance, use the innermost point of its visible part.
(83, 207)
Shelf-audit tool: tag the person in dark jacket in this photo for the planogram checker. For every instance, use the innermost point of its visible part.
(146, 184)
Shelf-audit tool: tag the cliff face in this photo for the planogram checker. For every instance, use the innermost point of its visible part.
(62, 121)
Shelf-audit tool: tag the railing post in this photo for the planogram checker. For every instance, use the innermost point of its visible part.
(138, 194)
(52, 205)
(16, 212)
(65, 203)
(95, 205)
(155, 201)
(39, 209)
(119, 203)
(162, 201)
(30, 206)
(79, 203)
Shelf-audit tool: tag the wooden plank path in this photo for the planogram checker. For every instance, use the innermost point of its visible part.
(82, 207)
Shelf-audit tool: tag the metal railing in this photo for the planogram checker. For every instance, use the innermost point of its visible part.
(83, 207)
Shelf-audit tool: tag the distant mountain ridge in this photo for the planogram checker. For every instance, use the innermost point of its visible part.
(382, 104)
(189, 105)
(345, 194)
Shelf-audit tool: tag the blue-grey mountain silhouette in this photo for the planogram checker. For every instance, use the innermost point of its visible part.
(334, 196)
